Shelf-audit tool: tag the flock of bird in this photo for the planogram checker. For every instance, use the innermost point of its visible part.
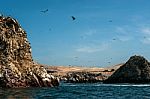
(46, 10)
(74, 18)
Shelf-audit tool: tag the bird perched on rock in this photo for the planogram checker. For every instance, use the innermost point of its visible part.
(44, 11)
(73, 18)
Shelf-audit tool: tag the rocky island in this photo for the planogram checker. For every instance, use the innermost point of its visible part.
(135, 70)
(17, 68)
(78, 74)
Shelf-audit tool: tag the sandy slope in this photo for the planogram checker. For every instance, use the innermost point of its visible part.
(63, 70)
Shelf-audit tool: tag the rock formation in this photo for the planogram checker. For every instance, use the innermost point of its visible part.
(84, 77)
(135, 70)
(17, 68)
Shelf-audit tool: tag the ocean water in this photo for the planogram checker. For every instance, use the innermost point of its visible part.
(80, 91)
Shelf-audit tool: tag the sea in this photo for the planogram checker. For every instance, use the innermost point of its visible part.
(80, 91)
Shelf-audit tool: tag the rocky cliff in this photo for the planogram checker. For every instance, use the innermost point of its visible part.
(17, 68)
(135, 70)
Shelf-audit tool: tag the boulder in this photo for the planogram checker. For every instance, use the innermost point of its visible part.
(17, 68)
(135, 70)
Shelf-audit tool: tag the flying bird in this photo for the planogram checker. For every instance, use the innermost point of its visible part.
(73, 18)
(75, 57)
(44, 11)
(50, 29)
(110, 21)
(109, 62)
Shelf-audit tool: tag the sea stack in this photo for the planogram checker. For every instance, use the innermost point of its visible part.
(17, 68)
(135, 70)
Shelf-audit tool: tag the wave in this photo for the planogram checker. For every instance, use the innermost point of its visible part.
(138, 85)
(109, 85)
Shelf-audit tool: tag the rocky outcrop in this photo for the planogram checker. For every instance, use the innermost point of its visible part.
(84, 77)
(17, 68)
(135, 70)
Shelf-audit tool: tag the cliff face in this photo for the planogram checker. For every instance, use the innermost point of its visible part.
(135, 70)
(17, 68)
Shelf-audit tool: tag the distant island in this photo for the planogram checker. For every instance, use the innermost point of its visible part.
(135, 70)
(77, 74)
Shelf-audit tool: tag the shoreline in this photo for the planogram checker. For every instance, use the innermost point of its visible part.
(76, 74)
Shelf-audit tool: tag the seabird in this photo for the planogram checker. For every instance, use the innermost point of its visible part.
(73, 18)
(109, 62)
(110, 21)
(75, 57)
(44, 11)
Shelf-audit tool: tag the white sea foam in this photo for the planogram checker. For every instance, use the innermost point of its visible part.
(113, 85)
(138, 85)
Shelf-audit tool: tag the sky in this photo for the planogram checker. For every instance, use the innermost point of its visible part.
(104, 33)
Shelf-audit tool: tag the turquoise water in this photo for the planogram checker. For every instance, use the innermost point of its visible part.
(80, 91)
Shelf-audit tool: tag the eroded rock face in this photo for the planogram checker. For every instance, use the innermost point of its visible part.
(135, 70)
(17, 68)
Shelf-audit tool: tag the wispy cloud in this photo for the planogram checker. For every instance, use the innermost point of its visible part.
(124, 38)
(92, 48)
(146, 35)
(146, 40)
(146, 31)
(123, 34)
(121, 30)
(88, 33)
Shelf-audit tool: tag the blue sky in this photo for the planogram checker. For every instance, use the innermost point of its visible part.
(105, 32)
